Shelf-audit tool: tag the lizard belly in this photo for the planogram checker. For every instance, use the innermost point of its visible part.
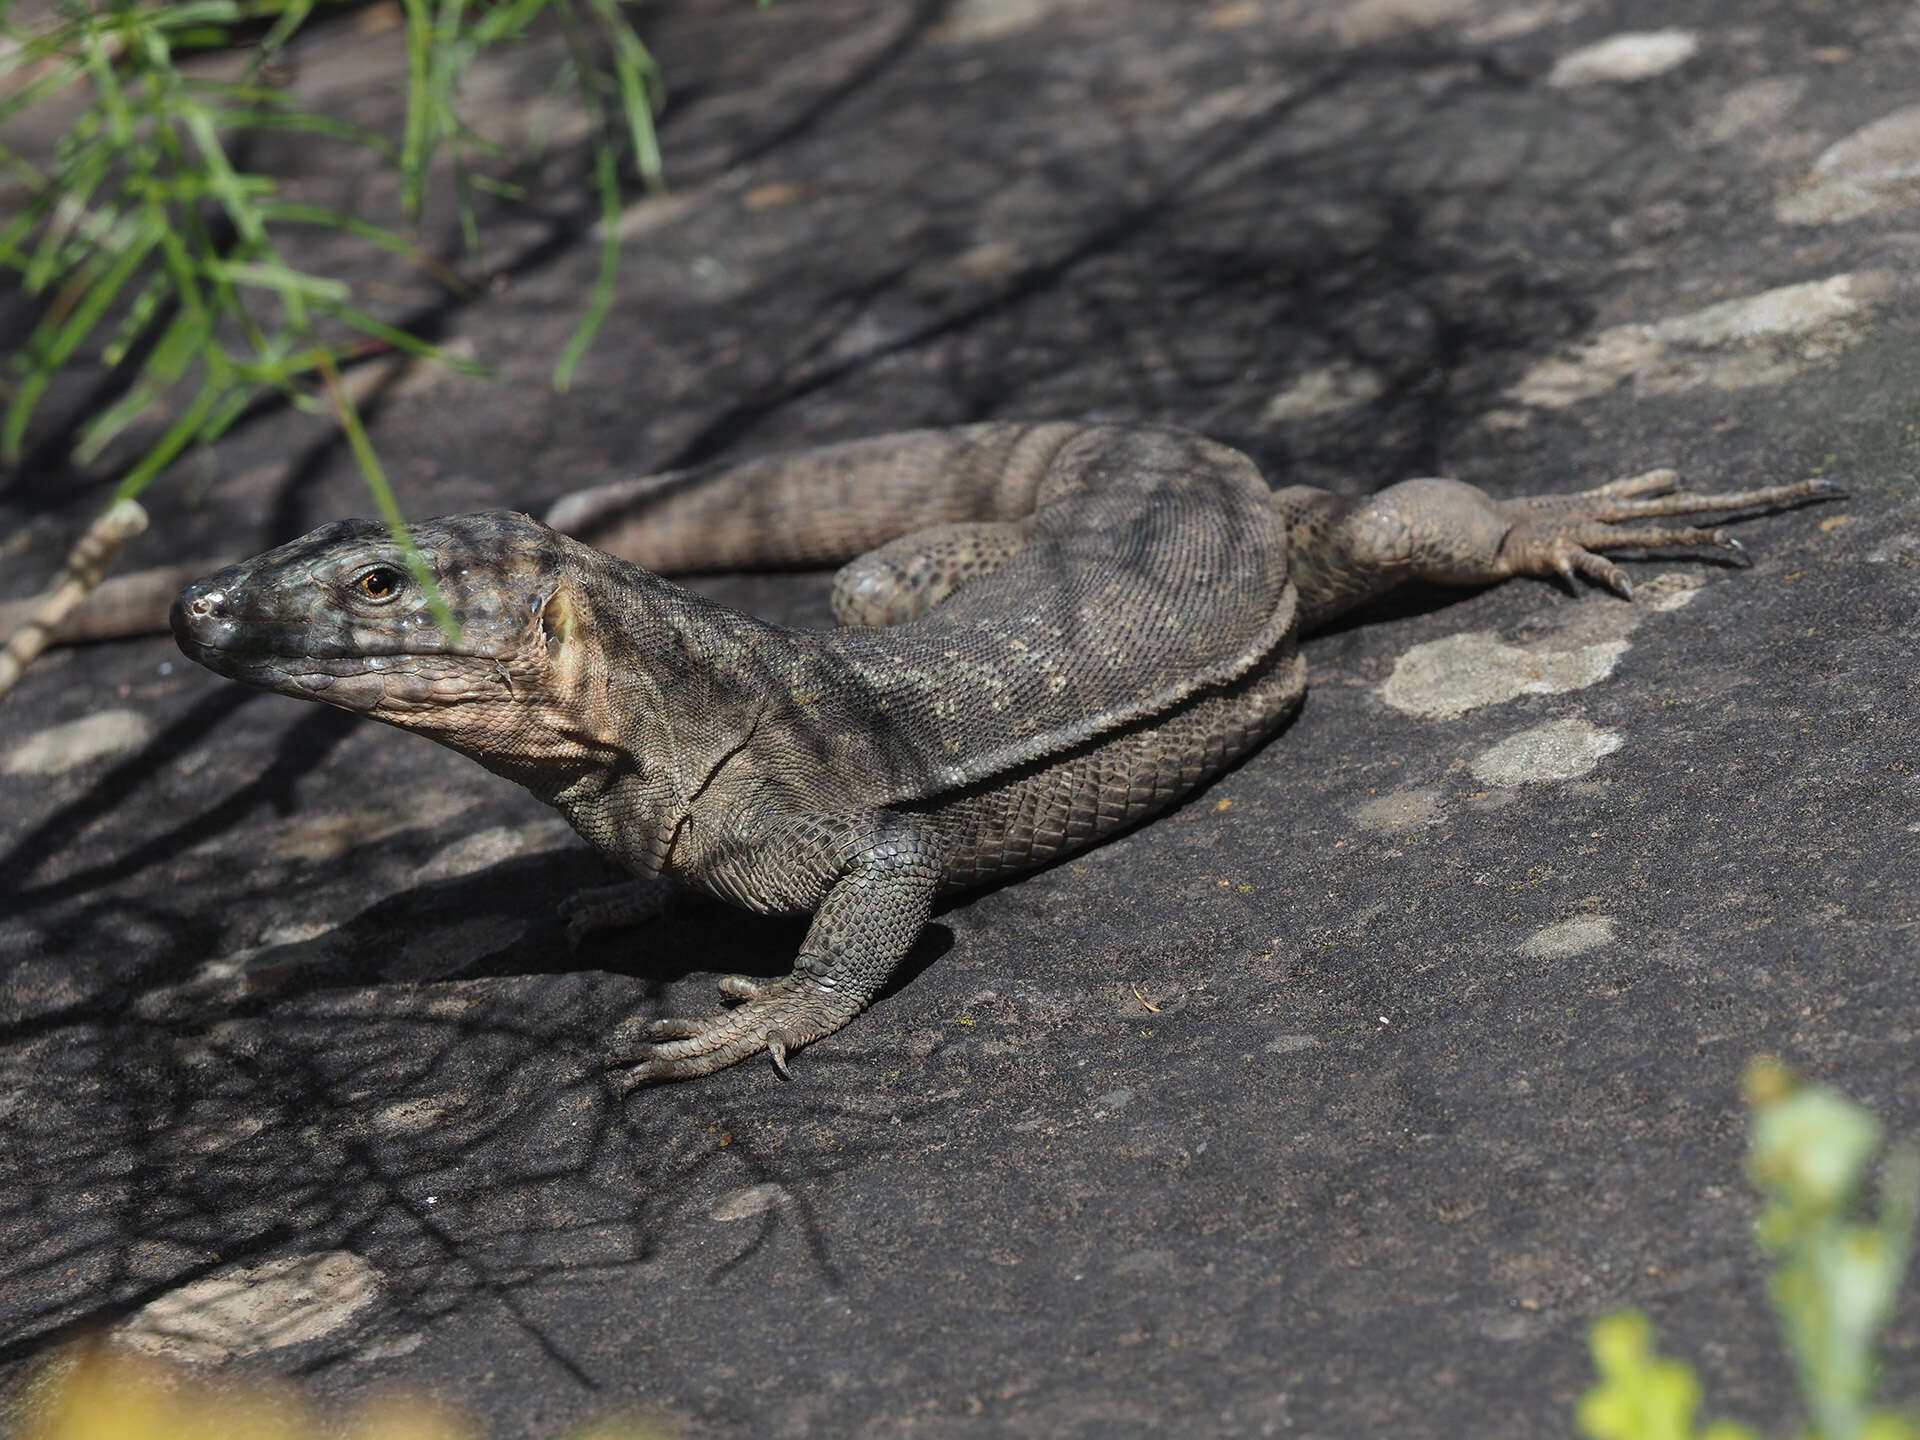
(1063, 805)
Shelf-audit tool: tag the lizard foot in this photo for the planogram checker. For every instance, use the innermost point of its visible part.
(612, 907)
(777, 1017)
(1563, 534)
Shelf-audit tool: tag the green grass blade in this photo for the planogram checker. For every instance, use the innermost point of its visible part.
(273, 275)
(291, 19)
(389, 508)
(54, 80)
(177, 436)
(639, 79)
(112, 99)
(56, 338)
(139, 315)
(105, 428)
(417, 144)
(402, 339)
(291, 212)
(608, 180)
(504, 22)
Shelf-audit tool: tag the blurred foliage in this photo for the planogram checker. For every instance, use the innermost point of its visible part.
(1836, 1274)
(102, 1391)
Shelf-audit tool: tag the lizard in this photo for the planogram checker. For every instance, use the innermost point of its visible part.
(1048, 632)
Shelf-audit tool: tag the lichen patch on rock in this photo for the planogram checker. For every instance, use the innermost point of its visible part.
(1444, 679)
(1557, 750)
(1624, 59)
(1329, 390)
(1400, 809)
(1569, 937)
(1753, 340)
(1877, 167)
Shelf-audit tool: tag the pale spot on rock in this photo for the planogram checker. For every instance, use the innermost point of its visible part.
(256, 1307)
(1145, 1262)
(1757, 105)
(1444, 679)
(1754, 340)
(408, 1117)
(989, 19)
(1674, 590)
(1569, 937)
(78, 742)
(1624, 59)
(1900, 550)
(1520, 20)
(1291, 1044)
(1875, 168)
(1359, 22)
(489, 847)
(1400, 809)
(1558, 750)
(1330, 390)
(746, 1202)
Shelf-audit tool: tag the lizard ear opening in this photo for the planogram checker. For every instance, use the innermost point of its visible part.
(557, 620)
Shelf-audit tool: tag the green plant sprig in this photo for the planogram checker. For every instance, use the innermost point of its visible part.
(1836, 1275)
(148, 246)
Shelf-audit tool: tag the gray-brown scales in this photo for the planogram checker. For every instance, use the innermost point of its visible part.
(1050, 632)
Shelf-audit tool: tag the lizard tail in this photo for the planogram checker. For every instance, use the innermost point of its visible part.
(820, 507)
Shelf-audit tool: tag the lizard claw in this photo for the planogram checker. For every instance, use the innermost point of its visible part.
(777, 1048)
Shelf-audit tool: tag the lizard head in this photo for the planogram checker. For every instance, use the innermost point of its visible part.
(339, 616)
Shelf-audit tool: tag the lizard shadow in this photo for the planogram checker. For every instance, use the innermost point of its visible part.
(504, 922)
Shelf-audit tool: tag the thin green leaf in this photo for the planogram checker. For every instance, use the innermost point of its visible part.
(230, 117)
(74, 189)
(178, 434)
(56, 338)
(608, 180)
(178, 345)
(99, 295)
(639, 80)
(184, 16)
(56, 79)
(291, 19)
(417, 144)
(272, 275)
(389, 508)
(300, 214)
(105, 428)
(402, 339)
(506, 189)
(139, 315)
(505, 22)
(112, 99)
(227, 409)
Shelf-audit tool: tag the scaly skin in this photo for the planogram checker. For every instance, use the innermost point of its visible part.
(1051, 633)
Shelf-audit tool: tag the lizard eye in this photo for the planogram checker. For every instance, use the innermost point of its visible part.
(382, 582)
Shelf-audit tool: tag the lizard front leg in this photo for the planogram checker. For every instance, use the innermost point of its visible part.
(879, 877)
(1452, 533)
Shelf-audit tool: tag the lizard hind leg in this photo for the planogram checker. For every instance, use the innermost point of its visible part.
(905, 578)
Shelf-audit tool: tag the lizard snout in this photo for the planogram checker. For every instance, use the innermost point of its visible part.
(202, 615)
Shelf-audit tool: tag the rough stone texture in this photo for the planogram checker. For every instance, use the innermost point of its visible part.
(1378, 1164)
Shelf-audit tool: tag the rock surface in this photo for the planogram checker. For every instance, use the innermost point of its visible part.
(1338, 1102)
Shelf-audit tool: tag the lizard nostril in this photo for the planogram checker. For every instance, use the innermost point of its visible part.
(210, 605)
